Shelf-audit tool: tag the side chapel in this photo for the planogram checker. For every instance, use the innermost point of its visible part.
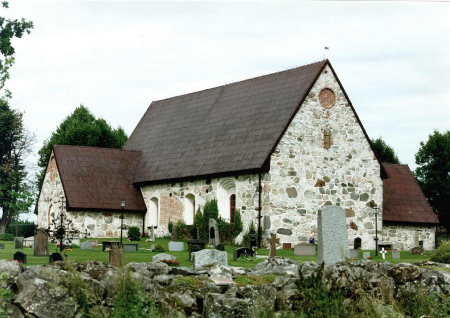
(277, 147)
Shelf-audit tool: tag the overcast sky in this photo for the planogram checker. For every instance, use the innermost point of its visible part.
(117, 57)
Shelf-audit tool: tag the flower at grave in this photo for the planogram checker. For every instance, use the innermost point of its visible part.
(108, 250)
(369, 257)
(68, 250)
(354, 259)
(170, 262)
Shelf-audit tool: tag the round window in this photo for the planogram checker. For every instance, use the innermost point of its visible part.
(327, 98)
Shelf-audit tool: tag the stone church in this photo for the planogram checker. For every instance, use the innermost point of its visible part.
(277, 147)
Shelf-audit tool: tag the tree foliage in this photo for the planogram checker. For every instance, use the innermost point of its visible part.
(16, 191)
(384, 151)
(433, 174)
(10, 29)
(80, 128)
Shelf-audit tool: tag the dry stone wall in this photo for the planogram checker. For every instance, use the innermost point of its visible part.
(99, 224)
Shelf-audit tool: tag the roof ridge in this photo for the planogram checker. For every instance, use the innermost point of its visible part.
(97, 148)
(248, 79)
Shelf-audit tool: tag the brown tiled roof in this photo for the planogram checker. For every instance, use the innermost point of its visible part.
(98, 178)
(227, 129)
(403, 200)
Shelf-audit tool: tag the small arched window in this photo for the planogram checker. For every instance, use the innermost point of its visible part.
(232, 208)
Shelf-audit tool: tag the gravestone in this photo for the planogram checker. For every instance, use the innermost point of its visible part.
(195, 246)
(86, 245)
(333, 239)
(152, 234)
(273, 241)
(366, 255)
(395, 254)
(194, 233)
(383, 253)
(207, 257)
(220, 247)
(354, 253)
(174, 233)
(175, 246)
(55, 257)
(28, 242)
(243, 252)
(213, 233)
(2, 246)
(20, 257)
(252, 239)
(116, 257)
(41, 243)
(130, 247)
(18, 243)
(159, 257)
(417, 250)
(266, 222)
(305, 249)
(357, 243)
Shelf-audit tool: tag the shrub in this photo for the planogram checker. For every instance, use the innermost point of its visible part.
(442, 254)
(158, 248)
(184, 231)
(134, 234)
(227, 231)
(6, 237)
(24, 228)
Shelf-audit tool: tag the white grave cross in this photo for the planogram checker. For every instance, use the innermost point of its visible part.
(383, 252)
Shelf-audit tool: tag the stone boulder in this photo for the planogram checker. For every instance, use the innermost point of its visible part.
(208, 257)
(276, 266)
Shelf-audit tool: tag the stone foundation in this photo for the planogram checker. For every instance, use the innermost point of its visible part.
(405, 237)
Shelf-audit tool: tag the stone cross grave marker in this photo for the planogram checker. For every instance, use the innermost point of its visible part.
(213, 233)
(18, 243)
(273, 241)
(333, 239)
(357, 243)
(41, 243)
(86, 245)
(383, 252)
(20, 257)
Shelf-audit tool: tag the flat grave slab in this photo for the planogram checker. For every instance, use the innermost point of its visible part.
(130, 247)
(305, 249)
(176, 246)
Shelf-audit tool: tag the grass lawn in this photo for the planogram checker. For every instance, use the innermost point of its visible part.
(144, 255)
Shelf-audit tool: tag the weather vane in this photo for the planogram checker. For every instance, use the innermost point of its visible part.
(327, 48)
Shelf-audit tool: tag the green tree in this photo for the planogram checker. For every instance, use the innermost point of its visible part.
(433, 174)
(10, 29)
(80, 128)
(16, 191)
(384, 151)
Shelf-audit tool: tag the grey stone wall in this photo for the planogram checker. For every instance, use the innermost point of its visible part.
(405, 237)
(304, 176)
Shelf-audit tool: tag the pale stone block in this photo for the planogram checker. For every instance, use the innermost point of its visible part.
(366, 255)
(159, 257)
(86, 245)
(208, 257)
(176, 246)
(395, 254)
(333, 239)
(305, 250)
(354, 253)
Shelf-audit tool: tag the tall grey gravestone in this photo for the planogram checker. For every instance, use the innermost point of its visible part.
(41, 243)
(332, 238)
(213, 233)
(18, 243)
